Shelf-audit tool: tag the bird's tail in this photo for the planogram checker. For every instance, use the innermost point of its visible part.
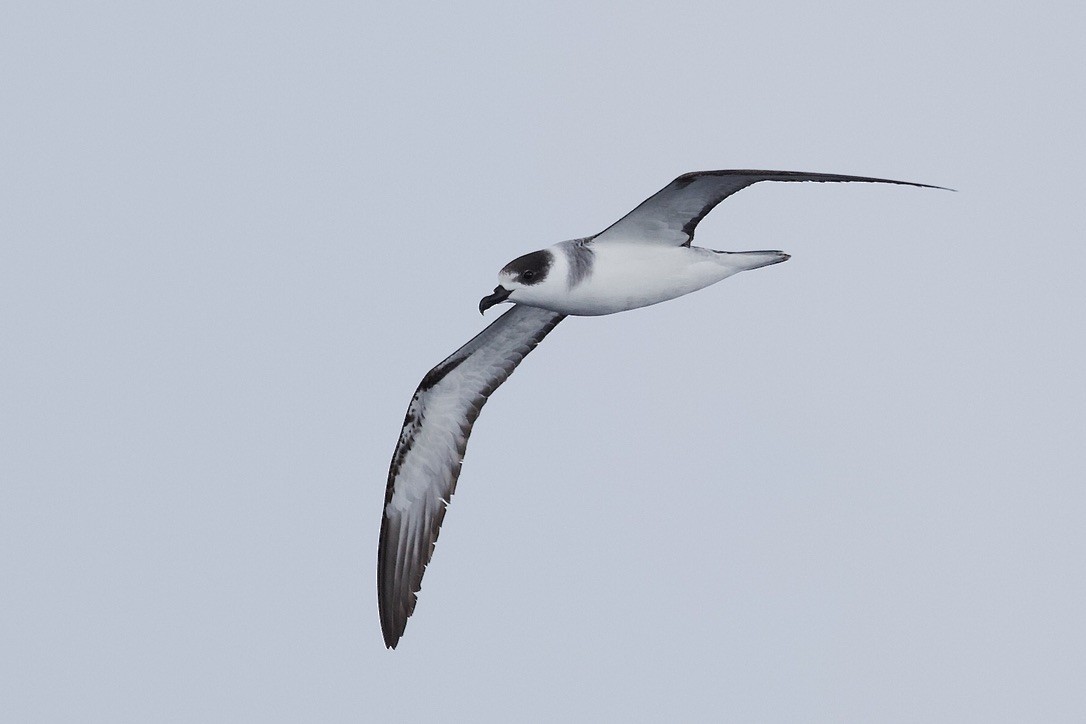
(747, 260)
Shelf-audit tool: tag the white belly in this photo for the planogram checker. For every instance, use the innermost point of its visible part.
(638, 275)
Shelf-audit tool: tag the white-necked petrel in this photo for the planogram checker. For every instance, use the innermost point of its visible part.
(642, 259)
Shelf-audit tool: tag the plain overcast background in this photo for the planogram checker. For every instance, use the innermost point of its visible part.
(849, 488)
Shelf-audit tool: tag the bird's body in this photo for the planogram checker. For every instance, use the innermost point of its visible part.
(626, 274)
(644, 258)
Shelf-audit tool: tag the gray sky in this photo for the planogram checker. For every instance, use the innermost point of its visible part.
(848, 488)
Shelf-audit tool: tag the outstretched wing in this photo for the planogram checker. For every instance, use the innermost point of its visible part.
(670, 215)
(426, 464)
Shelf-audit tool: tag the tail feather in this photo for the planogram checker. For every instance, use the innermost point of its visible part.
(747, 260)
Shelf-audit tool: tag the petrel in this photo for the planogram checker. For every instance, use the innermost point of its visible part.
(644, 258)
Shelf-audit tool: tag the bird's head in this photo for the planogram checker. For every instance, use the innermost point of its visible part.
(526, 279)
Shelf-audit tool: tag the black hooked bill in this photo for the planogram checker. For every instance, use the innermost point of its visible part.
(500, 295)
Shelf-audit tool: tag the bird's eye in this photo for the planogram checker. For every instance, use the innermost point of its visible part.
(530, 274)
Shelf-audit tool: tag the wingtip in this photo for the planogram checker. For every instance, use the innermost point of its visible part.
(393, 624)
(391, 637)
(926, 186)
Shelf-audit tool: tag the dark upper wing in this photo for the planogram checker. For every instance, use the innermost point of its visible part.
(670, 215)
(427, 460)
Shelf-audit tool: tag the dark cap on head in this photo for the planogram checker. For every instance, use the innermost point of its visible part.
(531, 268)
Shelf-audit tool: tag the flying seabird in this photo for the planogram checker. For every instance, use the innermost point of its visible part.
(644, 258)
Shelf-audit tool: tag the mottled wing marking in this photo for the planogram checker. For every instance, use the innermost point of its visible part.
(427, 460)
(670, 215)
